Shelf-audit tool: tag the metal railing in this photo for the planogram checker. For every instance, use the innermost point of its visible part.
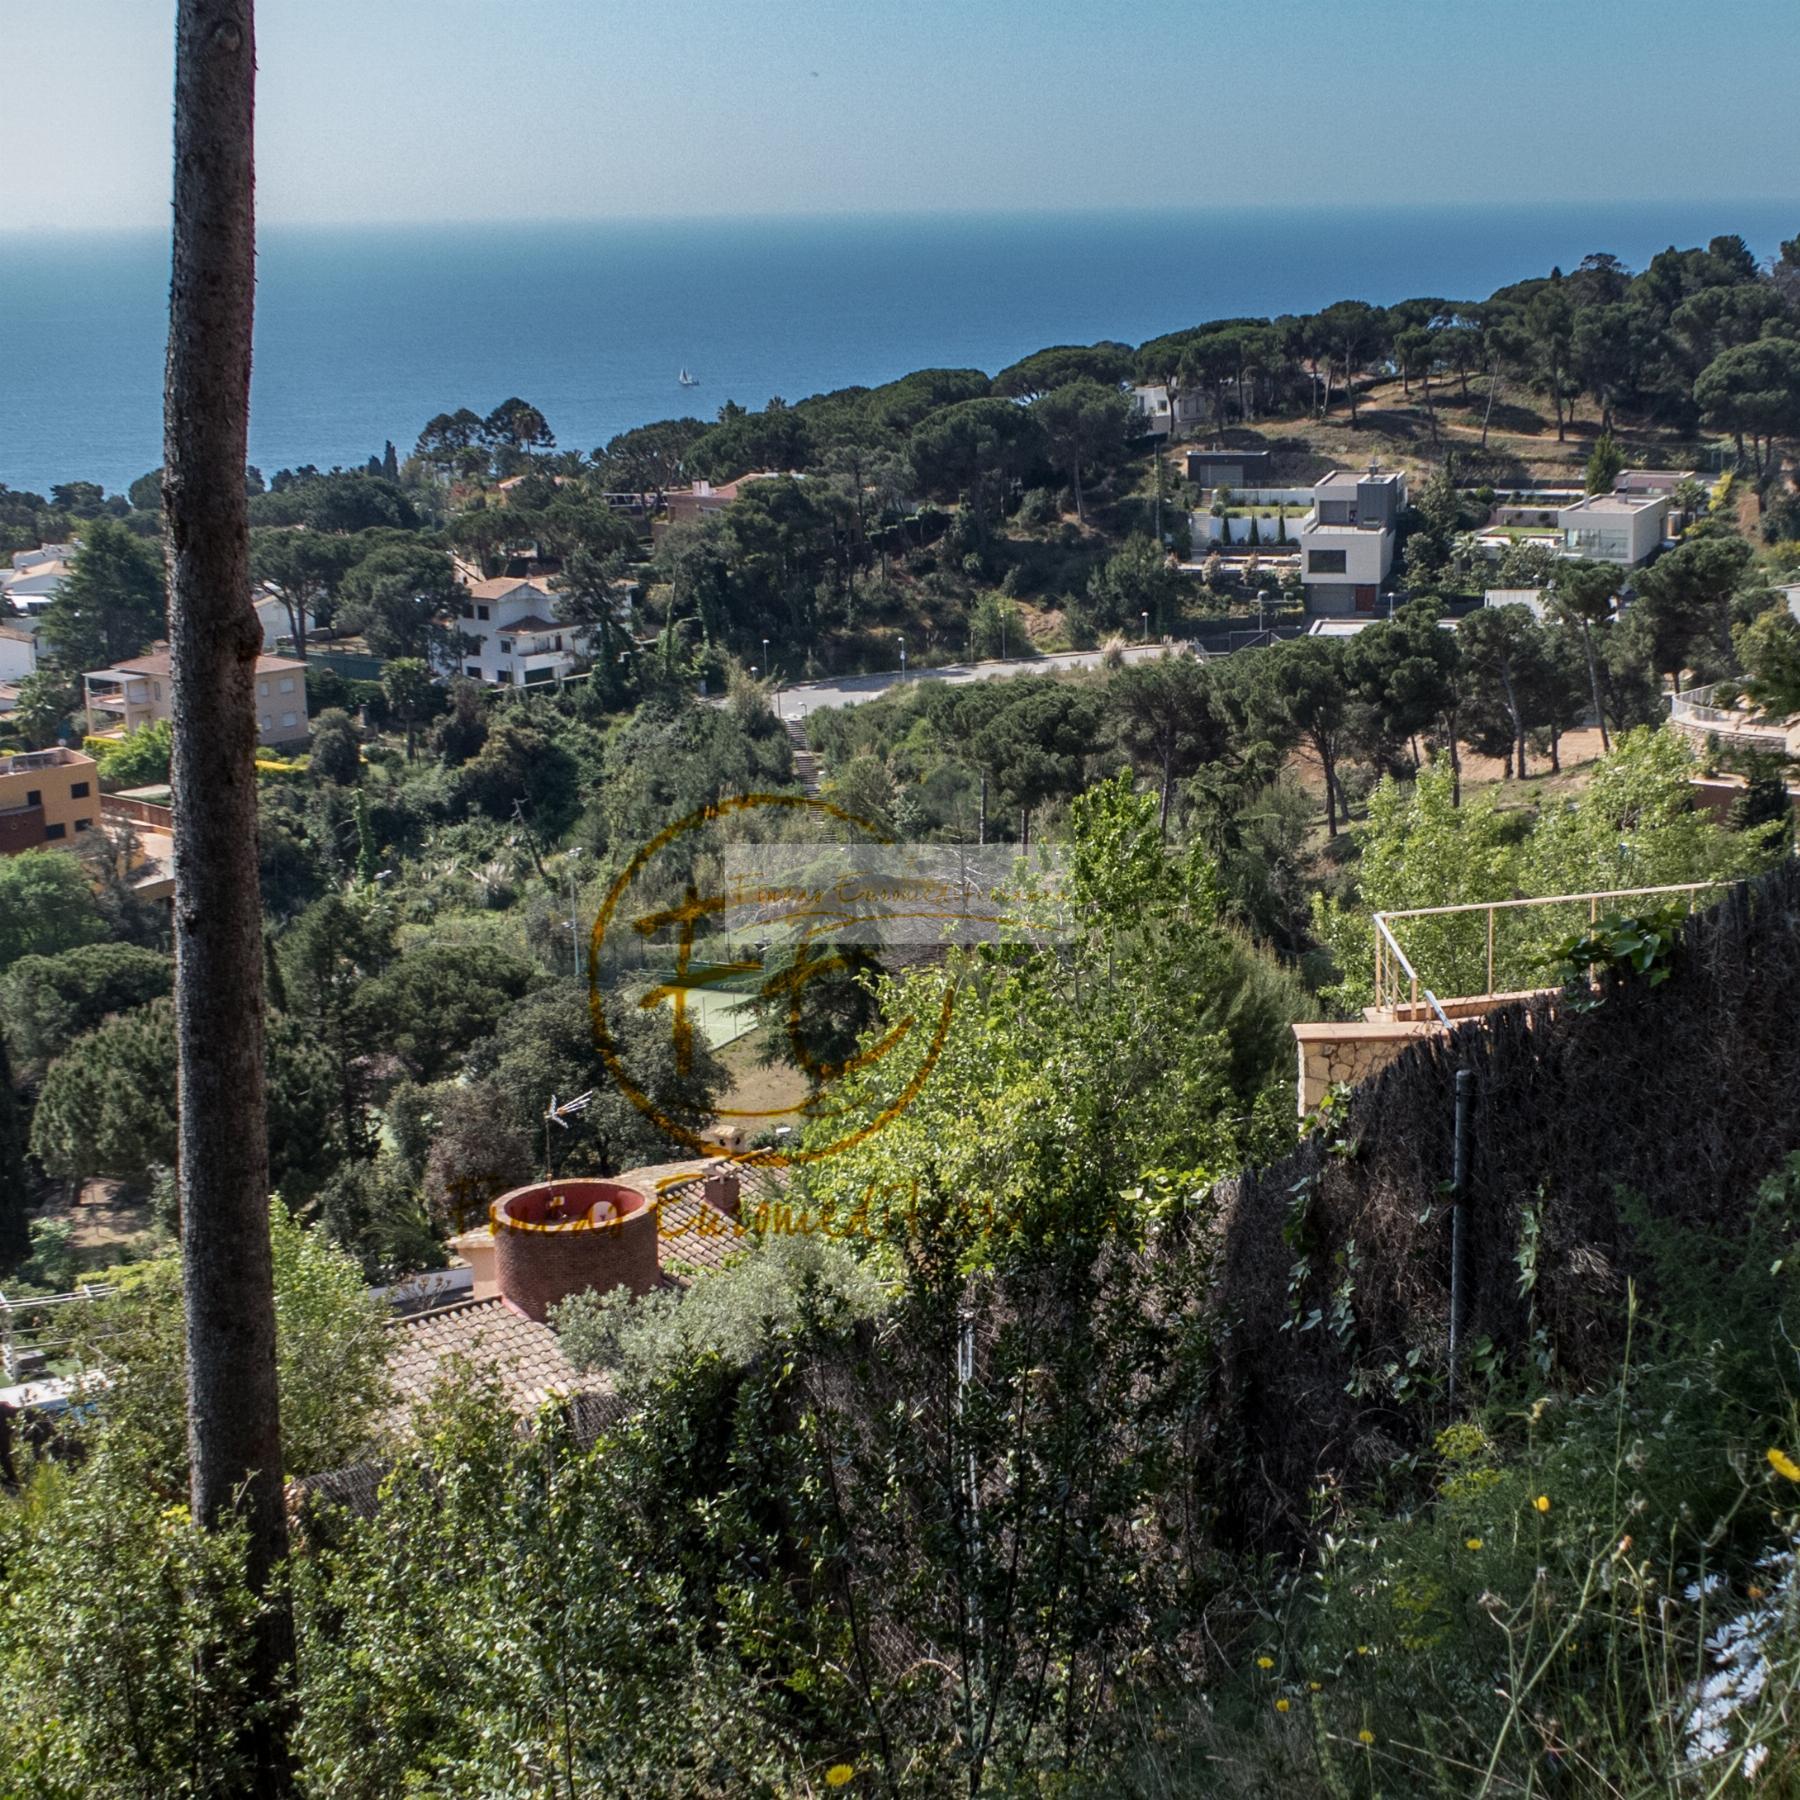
(1694, 708)
(1397, 982)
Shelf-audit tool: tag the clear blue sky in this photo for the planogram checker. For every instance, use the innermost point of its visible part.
(474, 109)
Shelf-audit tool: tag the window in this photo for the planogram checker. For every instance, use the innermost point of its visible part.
(506, 646)
(156, 690)
(263, 722)
(468, 612)
(56, 831)
(78, 790)
(287, 684)
(288, 721)
(1326, 562)
(481, 612)
(262, 687)
(84, 825)
(505, 677)
(472, 669)
(34, 796)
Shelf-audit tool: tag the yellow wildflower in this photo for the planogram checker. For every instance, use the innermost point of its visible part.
(1542, 1503)
(1784, 1465)
(1362, 1649)
(1265, 1662)
(1471, 1543)
(1315, 1687)
(1365, 1736)
(839, 1775)
(1281, 1705)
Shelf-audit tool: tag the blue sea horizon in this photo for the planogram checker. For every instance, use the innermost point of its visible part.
(364, 332)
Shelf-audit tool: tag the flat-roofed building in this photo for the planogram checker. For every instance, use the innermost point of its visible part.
(1626, 529)
(47, 797)
(1347, 545)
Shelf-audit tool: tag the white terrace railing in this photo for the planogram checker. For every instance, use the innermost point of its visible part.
(1694, 710)
(1471, 951)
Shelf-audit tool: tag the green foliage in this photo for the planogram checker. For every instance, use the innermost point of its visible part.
(46, 1002)
(331, 1345)
(336, 754)
(1620, 944)
(1634, 825)
(125, 1648)
(1605, 463)
(780, 1282)
(140, 758)
(112, 604)
(47, 904)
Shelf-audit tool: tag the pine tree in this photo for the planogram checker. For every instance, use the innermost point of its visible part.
(15, 1227)
(390, 462)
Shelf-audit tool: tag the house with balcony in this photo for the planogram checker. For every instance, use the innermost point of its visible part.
(1151, 412)
(1347, 545)
(139, 691)
(511, 636)
(1626, 529)
(47, 797)
(31, 584)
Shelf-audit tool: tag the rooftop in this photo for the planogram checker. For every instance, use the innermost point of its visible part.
(1347, 481)
(157, 662)
(1622, 504)
(502, 586)
(489, 1334)
(57, 758)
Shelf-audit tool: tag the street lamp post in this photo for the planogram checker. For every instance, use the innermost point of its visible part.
(902, 643)
(1262, 597)
(766, 662)
(1146, 631)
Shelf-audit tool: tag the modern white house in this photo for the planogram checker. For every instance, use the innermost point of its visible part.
(1626, 529)
(1347, 545)
(512, 637)
(1151, 405)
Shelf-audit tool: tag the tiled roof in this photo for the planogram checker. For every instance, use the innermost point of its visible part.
(157, 662)
(531, 622)
(489, 1335)
(502, 585)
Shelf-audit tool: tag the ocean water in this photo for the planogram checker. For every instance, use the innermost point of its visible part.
(363, 334)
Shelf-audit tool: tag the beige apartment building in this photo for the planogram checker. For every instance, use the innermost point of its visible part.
(138, 692)
(46, 797)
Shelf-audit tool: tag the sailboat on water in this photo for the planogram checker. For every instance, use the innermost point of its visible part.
(688, 379)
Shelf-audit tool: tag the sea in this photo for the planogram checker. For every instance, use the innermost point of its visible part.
(363, 333)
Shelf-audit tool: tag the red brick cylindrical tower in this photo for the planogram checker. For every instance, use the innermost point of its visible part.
(557, 1238)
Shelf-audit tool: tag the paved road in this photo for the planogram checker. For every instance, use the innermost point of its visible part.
(800, 698)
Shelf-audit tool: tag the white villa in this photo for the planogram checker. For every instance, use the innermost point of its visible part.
(512, 637)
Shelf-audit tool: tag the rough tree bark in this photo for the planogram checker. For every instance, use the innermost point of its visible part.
(234, 1430)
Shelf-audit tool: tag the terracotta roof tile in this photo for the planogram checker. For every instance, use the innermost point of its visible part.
(490, 1335)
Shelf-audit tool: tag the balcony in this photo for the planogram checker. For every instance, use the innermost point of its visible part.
(1697, 713)
(1458, 963)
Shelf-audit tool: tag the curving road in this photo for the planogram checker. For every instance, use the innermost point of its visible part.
(801, 697)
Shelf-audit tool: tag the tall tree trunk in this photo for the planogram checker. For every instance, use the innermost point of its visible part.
(234, 1424)
(1328, 763)
(1587, 644)
(1075, 483)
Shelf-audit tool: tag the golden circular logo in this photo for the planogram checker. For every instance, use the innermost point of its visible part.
(685, 918)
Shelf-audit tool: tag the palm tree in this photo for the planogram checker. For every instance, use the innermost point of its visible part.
(233, 1408)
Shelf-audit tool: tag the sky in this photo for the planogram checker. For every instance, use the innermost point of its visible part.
(425, 110)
